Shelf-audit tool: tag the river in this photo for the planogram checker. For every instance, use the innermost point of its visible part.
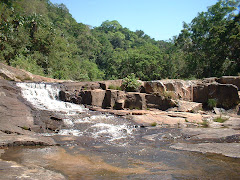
(93, 145)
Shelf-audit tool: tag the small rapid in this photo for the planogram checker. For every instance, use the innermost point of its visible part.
(78, 120)
(45, 97)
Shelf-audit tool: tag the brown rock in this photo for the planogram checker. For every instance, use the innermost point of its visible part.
(135, 100)
(159, 102)
(26, 140)
(186, 106)
(179, 89)
(154, 86)
(209, 80)
(72, 97)
(189, 117)
(13, 170)
(114, 99)
(226, 95)
(200, 93)
(114, 83)
(148, 119)
(15, 74)
(93, 97)
(238, 109)
(235, 80)
(14, 114)
(119, 104)
(78, 86)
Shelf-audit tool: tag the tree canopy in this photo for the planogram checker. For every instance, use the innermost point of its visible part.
(211, 41)
(45, 39)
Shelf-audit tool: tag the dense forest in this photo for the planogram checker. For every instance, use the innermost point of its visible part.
(45, 39)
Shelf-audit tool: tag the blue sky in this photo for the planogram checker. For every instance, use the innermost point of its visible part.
(160, 19)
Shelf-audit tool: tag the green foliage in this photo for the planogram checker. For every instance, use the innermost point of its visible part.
(27, 63)
(153, 124)
(114, 87)
(220, 119)
(204, 124)
(26, 128)
(130, 83)
(211, 41)
(212, 103)
(45, 39)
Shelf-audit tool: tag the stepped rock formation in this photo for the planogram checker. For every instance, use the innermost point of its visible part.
(160, 94)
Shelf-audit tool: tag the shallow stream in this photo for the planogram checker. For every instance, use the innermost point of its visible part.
(102, 146)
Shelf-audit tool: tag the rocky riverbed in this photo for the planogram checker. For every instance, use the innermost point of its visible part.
(143, 140)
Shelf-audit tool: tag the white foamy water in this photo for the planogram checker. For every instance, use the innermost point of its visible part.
(73, 132)
(44, 96)
(112, 131)
(94, 119)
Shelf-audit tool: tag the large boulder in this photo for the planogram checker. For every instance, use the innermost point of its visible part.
(179, 89)
(159, 102)
(78, 86)
(69, 96)
(114, 99)
(135, 100)
(93, 97)
(111, 83)
(235, 80)
(154, 87)
(186, 106)
(226, 95)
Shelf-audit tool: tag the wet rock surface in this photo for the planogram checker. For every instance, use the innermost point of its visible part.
(226, 149)
(20, 122)
(8, 140)
(12, 170)
(15, 115)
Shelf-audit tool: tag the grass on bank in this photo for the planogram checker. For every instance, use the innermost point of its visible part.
(220, 119)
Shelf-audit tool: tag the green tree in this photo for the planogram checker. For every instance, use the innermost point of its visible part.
(205, 41)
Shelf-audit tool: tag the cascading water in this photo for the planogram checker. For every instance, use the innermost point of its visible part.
(78, 119)
(44, 96)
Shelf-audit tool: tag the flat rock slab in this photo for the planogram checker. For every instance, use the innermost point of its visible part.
(26, 140)
(159, 119)
(170, 118)
(11, 171)
(226, 149)
(186, 106)
(209, 133)
(233, 122)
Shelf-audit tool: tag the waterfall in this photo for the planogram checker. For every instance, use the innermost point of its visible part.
(45, 97)
(78, 120)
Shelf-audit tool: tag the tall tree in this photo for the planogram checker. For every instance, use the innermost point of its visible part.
(206, 43)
